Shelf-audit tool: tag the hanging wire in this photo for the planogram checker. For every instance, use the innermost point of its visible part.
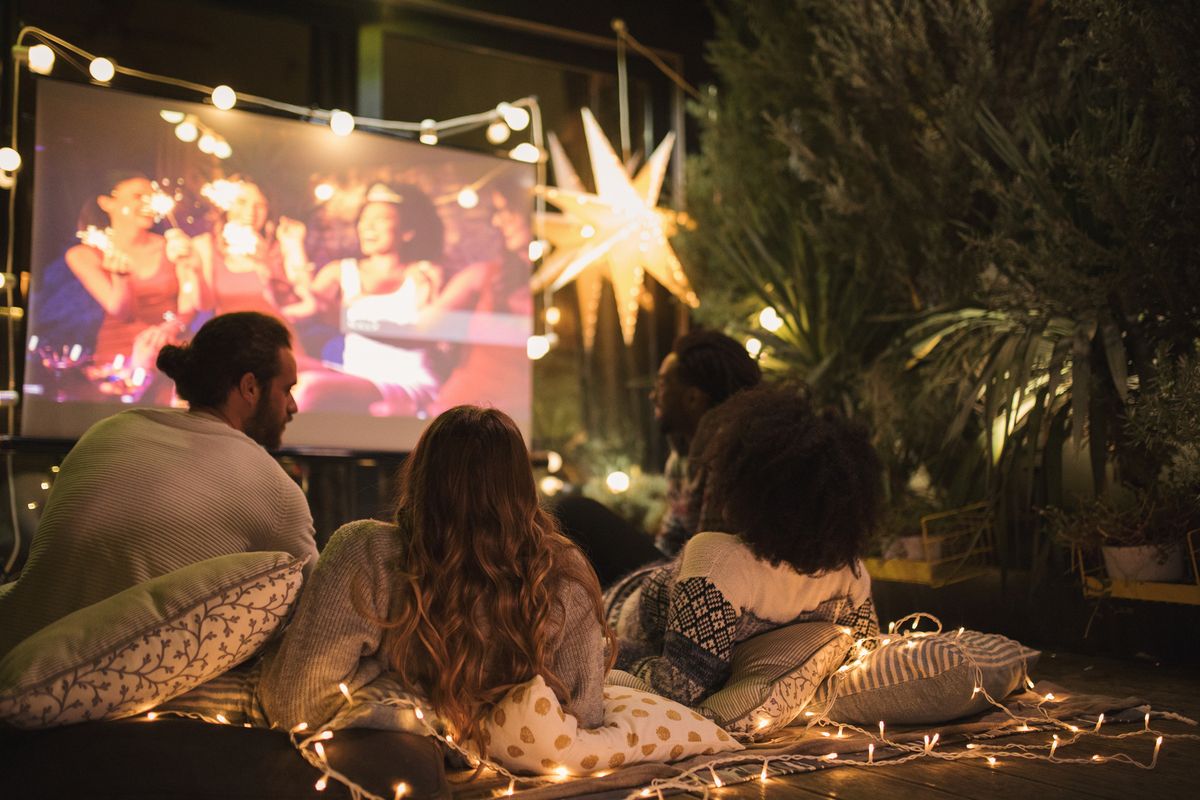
(625, 37)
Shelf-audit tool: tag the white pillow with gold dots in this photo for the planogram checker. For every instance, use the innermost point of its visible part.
(528, 731)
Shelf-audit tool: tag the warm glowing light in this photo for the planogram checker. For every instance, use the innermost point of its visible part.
(1098, 758)
(841, 735)
(617, 482)
(325, 735)
(512, 787)
(429, 131)
(644, 793)
(1028, 681)
(222, 719)
(762, 776)
(1050, 697)
(498, 132)
(345, 690)
(161, 204)
(341, 123)
(871, 753)
(222, 149)
(321, 784)
(173, 117)
(537, 249)
(224, 98)
(41, 59)
(54, 469)
(554, 461)
(207, 143)
(525, 152)
(301, 727)
(716, 778)
(186, 131)
(515, 117)
(320, 750)
(1157, 746)
(468, 197)
(551, 485)
(991, 761)
(1147, 713)
(1053, 745)
(769, 319)
(420, 714)
(976, 690)
(102, 69)
(553, 315)
(323, 192)
(1099, 722)
(562, 772)
(972, 746)
(587, 231)
(537, 347)
(881, 729)
(10, 160)
(831, 757)
(31, 506)
(753, 347)
(152, 716)
(400, 790)
(762, 723)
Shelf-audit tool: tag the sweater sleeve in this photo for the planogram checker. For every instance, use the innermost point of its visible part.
(697, 653)
(292, 526)
(579, 656)
(330, 640)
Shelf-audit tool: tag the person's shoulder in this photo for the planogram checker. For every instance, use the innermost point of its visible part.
(365, 538)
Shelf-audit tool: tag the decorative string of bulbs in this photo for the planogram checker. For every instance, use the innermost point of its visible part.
(883, 749)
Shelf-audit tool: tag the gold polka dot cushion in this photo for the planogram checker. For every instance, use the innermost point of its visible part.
(149, 643)
(528, 731)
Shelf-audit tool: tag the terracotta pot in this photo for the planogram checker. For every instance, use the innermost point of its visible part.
(1144, 563)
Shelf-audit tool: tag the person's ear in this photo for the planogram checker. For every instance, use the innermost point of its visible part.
(106, 203)
(695, 400)
(248, 388)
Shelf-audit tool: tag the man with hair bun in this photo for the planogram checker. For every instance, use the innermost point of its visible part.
(150, 490)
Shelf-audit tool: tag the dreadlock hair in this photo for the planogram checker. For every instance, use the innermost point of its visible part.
(476, 590)
(715, 364)
(800, 485)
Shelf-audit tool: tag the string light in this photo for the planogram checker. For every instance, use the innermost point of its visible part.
(468, 198)
(515, 117)
(554, 461)
(1099, 722)
(497, 133)
(1157, 746)
(428, 132)
(617, 481)
(526, 152)
(400, 791)
(1053, 745)
(716, 778)
(41, 59)
(754, 346)
(871, 753)
(321, 784)
(10, 159)
(102, 69)
(769, 319)
(187, 131)
(345, 690)
(152, 716)
(537, 347)
(341, 123)
(224, 98)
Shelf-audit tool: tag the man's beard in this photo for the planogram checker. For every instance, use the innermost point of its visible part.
(262, 428)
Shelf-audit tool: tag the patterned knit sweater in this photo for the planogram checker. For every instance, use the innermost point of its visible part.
(677, 623)
(331, 641)
(143, 493)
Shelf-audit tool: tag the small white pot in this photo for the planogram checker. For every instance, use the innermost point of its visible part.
(1144, 563)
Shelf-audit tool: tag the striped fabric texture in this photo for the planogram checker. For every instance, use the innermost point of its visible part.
(775, 674)
(918, 680)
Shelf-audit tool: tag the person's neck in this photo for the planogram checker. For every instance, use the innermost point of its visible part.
(217, 413)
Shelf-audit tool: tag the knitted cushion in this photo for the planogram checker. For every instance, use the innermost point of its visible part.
(149, 643)
(528, 731)
(924, 680)
(775, 674)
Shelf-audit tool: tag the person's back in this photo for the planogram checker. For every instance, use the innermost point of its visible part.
(144, 493)
(149, 491)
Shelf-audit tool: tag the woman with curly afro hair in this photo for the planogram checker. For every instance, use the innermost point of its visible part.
(798, 491)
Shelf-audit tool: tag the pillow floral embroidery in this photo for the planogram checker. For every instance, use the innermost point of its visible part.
(148, 643)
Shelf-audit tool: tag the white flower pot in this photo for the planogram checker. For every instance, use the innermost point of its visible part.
(915, 550)
(1144, 563)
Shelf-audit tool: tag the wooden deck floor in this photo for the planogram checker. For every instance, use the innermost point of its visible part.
(1163, 687)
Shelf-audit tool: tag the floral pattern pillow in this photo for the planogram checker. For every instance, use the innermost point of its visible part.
(149, 643)
(528, 731)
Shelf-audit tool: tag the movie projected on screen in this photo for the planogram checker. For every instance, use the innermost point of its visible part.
(401, 269)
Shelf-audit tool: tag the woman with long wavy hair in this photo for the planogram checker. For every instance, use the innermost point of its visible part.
(470, 591)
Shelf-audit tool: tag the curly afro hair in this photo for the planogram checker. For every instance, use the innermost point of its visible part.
(802, 486)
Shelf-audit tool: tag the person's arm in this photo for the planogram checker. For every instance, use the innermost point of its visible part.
(697, 654)
(322, 292)
(331, 640)
(110, 288)
(581, 655)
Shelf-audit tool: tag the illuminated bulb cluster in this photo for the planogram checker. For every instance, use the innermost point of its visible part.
(189, 128)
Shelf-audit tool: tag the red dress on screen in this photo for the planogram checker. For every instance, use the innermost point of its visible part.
(154, 297)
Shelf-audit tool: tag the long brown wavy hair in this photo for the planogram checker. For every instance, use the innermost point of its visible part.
(476, 591)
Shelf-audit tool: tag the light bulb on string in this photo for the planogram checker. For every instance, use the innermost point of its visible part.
(617, 481)
(526, 152)
(515, 117)
(498, 132)
(224, 97)
(341, 122)
(323, 192)
(173, 117)
(468, 198)
(537, 249)
(207, 143)
(429, 131)
(537, 347)
(769, 319)
(187, 131)
(222, 149)
(41, 59)
(10, 159)
(102, 69)
(553, 315)
(754, 347)
(554, 461)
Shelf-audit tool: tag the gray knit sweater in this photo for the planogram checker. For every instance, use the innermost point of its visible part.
(330, 641)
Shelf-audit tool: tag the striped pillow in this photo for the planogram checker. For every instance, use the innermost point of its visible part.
(924, 680)
(775, 674)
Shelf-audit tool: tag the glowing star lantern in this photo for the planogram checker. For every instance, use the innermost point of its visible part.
(619, 231)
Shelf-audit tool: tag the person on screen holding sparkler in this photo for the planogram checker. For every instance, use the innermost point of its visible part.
(147, 287)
